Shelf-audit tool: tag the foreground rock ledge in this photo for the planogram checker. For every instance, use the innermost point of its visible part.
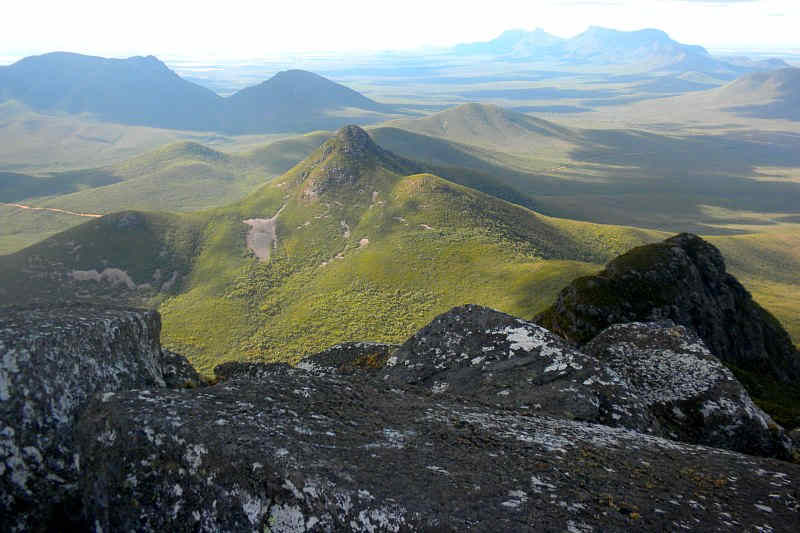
(51, 361)
(296, 452)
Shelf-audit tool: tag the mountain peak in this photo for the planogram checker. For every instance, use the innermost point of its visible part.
(354, 139)
(348, 163)
(297, 76)
(619, 37)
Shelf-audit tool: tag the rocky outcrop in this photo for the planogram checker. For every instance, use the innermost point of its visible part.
(52, 360)
(482, 354)
(349, 161)
(304, 452)
(688, 393)
(682, 279)
(653, 378)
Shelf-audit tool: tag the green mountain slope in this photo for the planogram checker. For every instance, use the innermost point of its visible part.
(364, 248)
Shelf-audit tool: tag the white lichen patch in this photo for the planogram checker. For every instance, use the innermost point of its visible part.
(114, 276)
(381, 519)
(107, 437)
(663, 375)
(393, 438)
(516, 499)
(439, 387)
(194, 456)
(287, 519)
(529, 337)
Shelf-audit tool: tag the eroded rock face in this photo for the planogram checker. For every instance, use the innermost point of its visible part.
(483, 354)
(682, 279)
(51, 361)
(691, 395)
(303, 452)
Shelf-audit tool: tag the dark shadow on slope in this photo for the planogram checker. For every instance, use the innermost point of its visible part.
(551, 109)
(786, 109)
(539, 93)
(629, 178)
(669, 84)
(15, 187)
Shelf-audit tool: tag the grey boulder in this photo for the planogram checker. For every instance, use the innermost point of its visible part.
(52, 360)
(689, 393)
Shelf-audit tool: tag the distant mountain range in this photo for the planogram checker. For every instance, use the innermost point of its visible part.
(650, 49)
(144, 91)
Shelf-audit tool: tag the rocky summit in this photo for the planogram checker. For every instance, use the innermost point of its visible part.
(481, 421)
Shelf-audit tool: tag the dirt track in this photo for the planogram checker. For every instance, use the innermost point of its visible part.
(53, 210)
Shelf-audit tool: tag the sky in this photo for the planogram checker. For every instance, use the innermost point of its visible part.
(237, 29)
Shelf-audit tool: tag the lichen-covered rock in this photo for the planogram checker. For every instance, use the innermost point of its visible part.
(345, 358)
(240, 369)
(51, 361)
(303, 452)
(178, 372)
(682, 279)
(348, 358)
(690, 393)
(479, 353)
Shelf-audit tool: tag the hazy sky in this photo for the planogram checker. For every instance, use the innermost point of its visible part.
(236, 29)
